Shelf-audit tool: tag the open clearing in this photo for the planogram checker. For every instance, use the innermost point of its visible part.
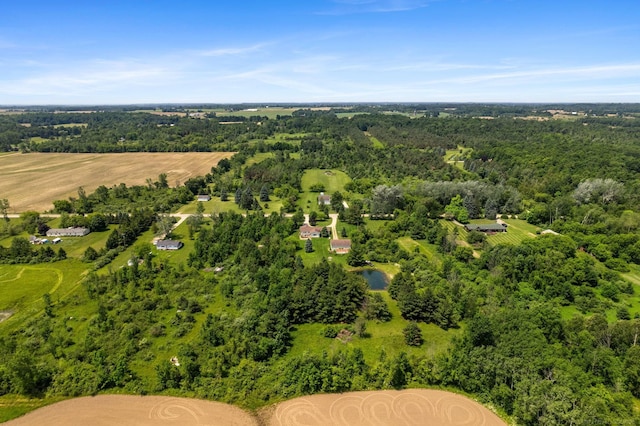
(22, 287)
(333, 180)
(408, 407)
(33, 181)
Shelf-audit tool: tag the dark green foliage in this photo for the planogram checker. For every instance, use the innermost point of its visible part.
(475, 237)
(376, 308)
(412, 334)
(308, 246)
(313, 218)
(515, 350)
(264, 193)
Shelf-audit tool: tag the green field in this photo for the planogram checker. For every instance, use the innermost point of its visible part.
(271, 112)
(517, 231)
(290, 138)
(22, 287)
(457, 156)
(429, 250)
(333, 180)
(387, 336)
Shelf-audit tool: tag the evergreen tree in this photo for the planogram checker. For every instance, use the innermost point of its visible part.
(238, 196)
(308, 246)
(224, 196)
(313, 218)
(412, 334)
(264, 194)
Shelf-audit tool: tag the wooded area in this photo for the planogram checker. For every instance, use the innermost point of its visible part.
(544, 328)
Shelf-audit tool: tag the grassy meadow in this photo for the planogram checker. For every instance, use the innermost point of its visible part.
(23, 286)
(381, 336)
(333, 180)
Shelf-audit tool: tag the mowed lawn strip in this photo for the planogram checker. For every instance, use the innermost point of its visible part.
(33, 181)
(333, 180)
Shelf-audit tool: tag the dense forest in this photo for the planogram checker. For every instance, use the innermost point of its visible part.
(545, 329)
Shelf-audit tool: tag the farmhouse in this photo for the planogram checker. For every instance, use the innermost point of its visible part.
(307, 231)
(340, 246)
(487, 227)
(324, 199)
(204, 197)
(67, 232)
(168, 245)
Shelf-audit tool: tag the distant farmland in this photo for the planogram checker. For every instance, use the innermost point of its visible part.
(33, 181)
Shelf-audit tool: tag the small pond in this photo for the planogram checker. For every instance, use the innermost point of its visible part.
(377, 279)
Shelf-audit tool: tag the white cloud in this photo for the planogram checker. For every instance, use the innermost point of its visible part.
(348, 7)
(584, 72)
(231, 51)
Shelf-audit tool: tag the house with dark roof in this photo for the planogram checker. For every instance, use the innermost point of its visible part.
(340, 246)
(324, 199)
(68, 232)
(308, 231)
(168, 244)
(488, 228)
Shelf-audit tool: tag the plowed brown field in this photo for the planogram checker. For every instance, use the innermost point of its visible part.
(33, 181)
(373, 408)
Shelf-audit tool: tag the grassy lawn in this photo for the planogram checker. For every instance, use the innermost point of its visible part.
(517, 231)
(320, 251)
(333, 180)
(217, 206)
(76, 246)
(376, 142)
(290, 138)
(271, 113)
(423, 247)
(257, 158)
(457, 156)
(385, 336)
(22, 287)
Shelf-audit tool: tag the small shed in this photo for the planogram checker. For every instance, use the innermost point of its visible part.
(204, 197)
(168, 244)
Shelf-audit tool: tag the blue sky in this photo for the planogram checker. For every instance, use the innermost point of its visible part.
(144, 51)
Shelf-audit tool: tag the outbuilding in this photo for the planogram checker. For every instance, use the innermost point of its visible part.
(168, 244)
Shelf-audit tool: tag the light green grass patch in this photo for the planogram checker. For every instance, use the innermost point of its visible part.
(385, 336)
(259, 157)
(457, 156)
(376, 142)
(430, 251)
(22, 287)
(12, 406)
(333, 180)
(349, 114)
(517, 231)
(270, 113)
(69, 125)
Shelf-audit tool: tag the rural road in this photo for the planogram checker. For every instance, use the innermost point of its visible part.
(332, 225)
